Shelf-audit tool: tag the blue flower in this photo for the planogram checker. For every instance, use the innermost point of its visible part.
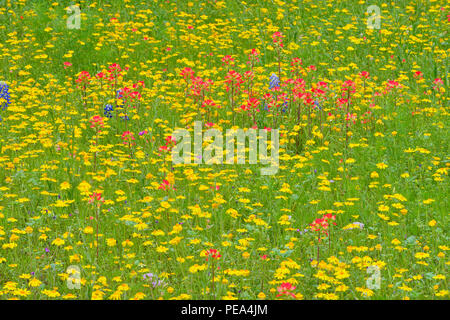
(317, 105)
(107, 110)
(5, 98)
(285, 106)
(274, 81)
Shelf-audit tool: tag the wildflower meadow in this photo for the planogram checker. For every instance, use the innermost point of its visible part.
(311, 139)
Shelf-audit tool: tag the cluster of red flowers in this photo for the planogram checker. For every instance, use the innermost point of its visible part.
(200, 86)
(127, 137)
(96, 122)
(228, 60)
(131, 96)
(321, 225)
(251, 104)
(84, 78)
(187, 74)
(233, 81)
(277, 38)
(391, 84)
(114, 71)
(438, 83)
(170, 143)
(165, 185)
(253, 58)
(364, 75)
(96, 197)
(286, 289)
(213, 253)
(348, 86)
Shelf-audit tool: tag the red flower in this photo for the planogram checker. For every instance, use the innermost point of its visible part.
(391, 84)
(164, 185)
(234, 80)
(364, 74)
(96, 122)
(438, 81)
(84, 77)
(214, 253)
(127, 137)
(277, 38)
(285, 289)
(96, 196)
(187, 73)
(329, 217)
(228, 60)
(349, 86)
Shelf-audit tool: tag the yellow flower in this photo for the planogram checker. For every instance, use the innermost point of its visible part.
(84, 188)
(195, 268)
(442, 293)
(432, 223)
(116, 295)
(405, 175)
(161, 249)
(64, 186)
(165, 204)
(261, 295)
(88, 230)
(34, 282)
(51, 293)
(58, 242)
(127, 243)
(123, 287)
(21, 292)
(111, 242)
(139, 296)
(421, 255)
(382, 165)
(97, 295)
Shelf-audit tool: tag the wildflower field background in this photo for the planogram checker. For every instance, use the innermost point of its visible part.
(91, 206)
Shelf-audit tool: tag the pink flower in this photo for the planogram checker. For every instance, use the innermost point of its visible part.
(96, 122)
(96, 197)
(285, 289)
(364, 74)
(277, 38)
(214, 253)
(127, 137)
(84, 77)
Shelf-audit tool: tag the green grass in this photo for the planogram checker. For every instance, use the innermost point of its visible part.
(46, 140)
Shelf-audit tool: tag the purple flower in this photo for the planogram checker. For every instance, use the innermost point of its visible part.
(148, 276)
(153, 279)
(359, 224)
